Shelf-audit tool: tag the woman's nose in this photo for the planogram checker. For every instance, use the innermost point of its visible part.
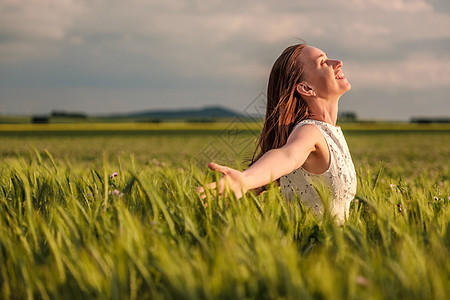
(337, 64)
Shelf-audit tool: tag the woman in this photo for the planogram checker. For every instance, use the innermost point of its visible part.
(300, 143)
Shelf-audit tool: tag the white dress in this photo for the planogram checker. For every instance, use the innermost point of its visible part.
(339, 180)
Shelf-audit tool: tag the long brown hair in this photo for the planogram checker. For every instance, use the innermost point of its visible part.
(285, 106)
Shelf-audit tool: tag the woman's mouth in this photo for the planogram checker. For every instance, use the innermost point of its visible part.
(340, 76)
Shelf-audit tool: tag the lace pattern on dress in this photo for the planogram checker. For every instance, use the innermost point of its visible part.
(339, 179)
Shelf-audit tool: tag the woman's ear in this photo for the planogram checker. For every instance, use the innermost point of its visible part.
(304, 89)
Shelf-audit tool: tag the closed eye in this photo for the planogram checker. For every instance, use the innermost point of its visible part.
(324, 58)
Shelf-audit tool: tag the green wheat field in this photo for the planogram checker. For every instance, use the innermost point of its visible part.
(110, 211)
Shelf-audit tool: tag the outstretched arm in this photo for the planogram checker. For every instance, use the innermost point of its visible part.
(272, 165)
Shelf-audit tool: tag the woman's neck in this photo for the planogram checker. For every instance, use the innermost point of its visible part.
(323, 110)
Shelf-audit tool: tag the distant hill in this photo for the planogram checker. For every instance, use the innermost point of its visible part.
(201, 113)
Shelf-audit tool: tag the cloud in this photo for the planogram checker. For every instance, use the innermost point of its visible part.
(35, 28)
(402, 6)
(217, 45)
(418, 71)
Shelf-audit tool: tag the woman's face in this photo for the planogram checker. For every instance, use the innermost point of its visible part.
(323, 75)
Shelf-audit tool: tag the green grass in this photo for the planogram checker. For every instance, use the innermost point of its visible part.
(69, 231)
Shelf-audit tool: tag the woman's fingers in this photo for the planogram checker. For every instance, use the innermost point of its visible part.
(219, 168)
(211, 185)
(201, 190)
(213, 166)
(231, 180)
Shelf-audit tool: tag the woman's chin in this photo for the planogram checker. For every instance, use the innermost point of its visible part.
(348, 87)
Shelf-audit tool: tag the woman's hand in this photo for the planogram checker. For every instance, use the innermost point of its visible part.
(233, 180)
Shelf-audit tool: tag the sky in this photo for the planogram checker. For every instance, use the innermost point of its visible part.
(111, 56)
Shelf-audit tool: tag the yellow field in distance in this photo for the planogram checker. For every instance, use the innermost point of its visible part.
(233, 125)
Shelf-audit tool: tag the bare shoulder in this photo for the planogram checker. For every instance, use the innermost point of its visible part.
(305, 134)
(303, 141)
